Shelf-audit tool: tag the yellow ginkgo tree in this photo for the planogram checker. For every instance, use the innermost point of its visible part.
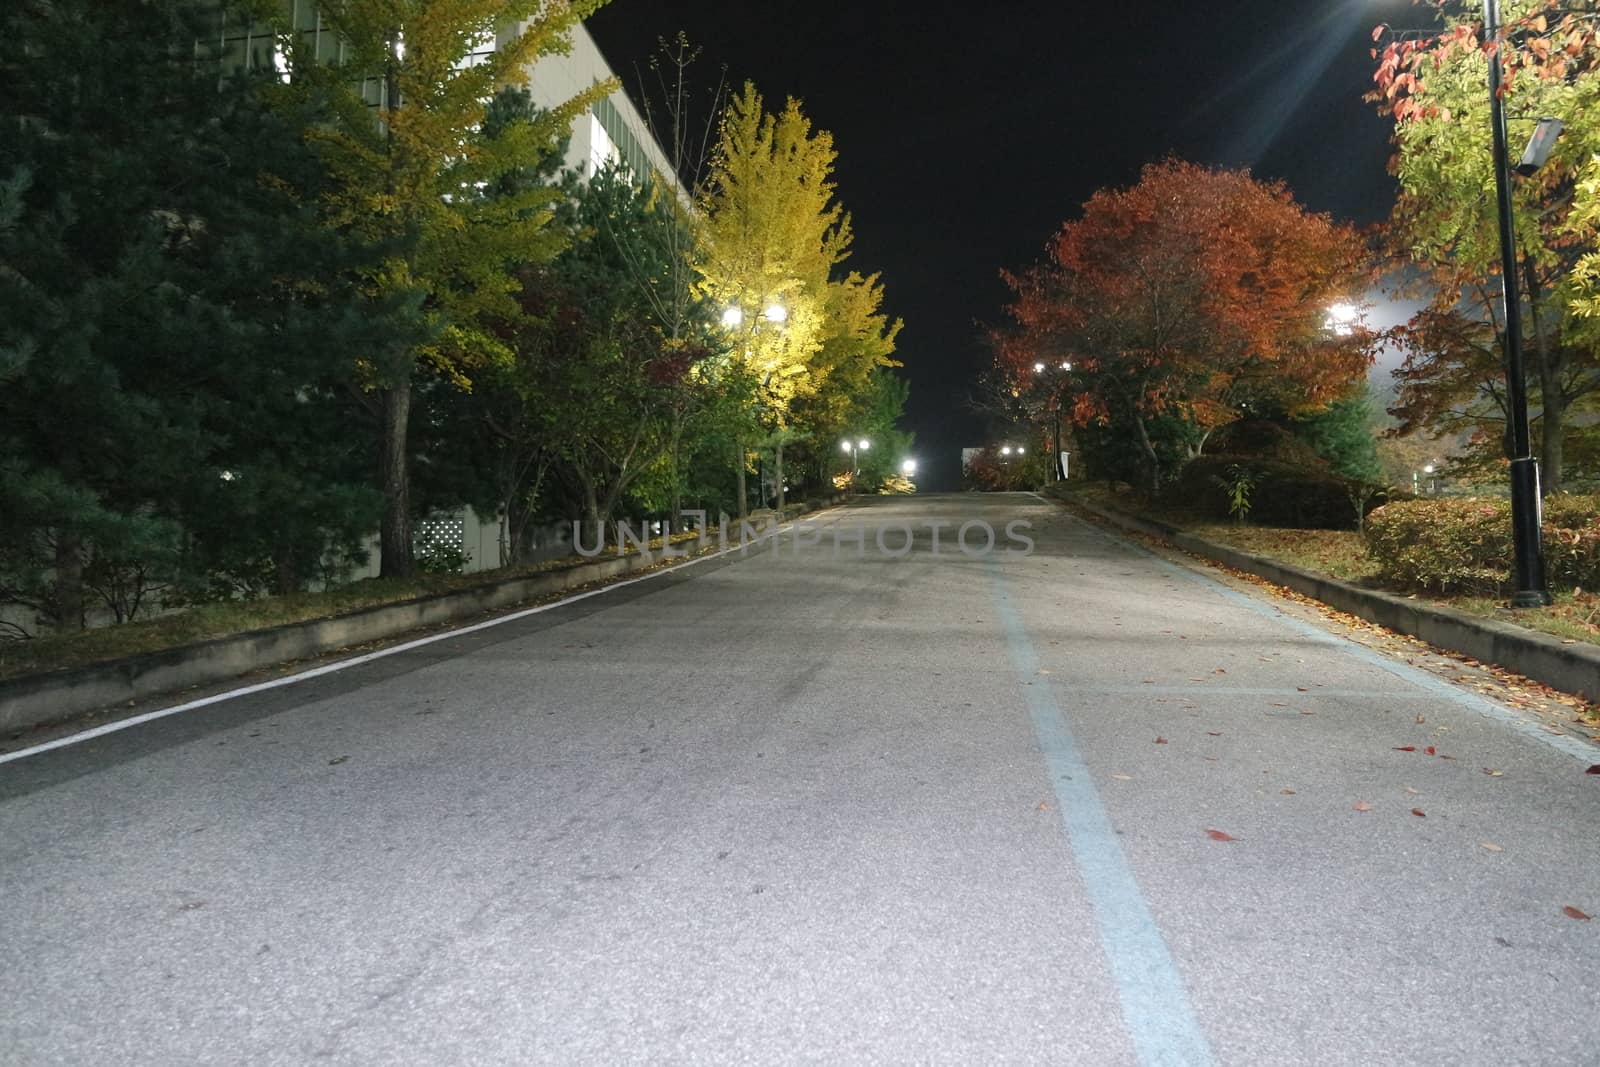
(772, 232)
(415, 171)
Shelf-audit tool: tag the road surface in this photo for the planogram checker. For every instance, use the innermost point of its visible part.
(833, 805)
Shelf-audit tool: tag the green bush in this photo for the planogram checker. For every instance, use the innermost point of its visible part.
(1464, 546)
(1282, 494)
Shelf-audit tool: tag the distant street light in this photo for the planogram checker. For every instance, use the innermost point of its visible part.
(1006, 451)
(1056, 468)
(908, 467)
(733, 318)
(1342, 319)
(776, 313)
(855, 448)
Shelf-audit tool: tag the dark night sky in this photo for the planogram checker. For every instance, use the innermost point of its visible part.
(968, 133)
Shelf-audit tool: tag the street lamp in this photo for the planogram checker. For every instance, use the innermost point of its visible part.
(908, 467)
(733, 320)
(855, 448)
(1056, 468)
(1526, 535)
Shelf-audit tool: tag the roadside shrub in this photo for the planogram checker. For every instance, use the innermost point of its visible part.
(1464, 546)
(1282, 494)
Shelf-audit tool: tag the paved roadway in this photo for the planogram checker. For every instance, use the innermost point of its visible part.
(799, 808)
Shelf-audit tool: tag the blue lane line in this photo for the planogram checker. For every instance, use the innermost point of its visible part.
(1155, 1006)
(1527, 727)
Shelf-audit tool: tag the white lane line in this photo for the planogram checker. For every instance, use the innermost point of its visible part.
(356, 661)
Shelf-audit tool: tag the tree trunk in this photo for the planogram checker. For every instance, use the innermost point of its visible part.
(69, 582)
(739, 458)
(1552, 424)
(777, 471)
(395, 537)
(1150, 456)
(1553, 427)
(285, 569)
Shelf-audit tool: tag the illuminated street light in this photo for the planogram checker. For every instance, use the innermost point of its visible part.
(733, 318)
(1342, 319)
(855, 448)
(1006, 451)
(908, 467)
(776, 313)
(1038, 368)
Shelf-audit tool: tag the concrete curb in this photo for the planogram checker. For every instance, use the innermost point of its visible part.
(1569, 668)
(33, 700)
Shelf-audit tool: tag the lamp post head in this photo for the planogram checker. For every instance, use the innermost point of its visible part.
(732, 318)
(776, 313)
(1038, 368)
(864, 444)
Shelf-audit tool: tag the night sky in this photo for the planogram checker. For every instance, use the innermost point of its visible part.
(968, 133)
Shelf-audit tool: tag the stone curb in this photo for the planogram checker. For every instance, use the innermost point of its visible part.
(1570, 668)
(32, 700)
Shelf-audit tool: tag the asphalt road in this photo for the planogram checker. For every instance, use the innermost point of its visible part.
(823, 806)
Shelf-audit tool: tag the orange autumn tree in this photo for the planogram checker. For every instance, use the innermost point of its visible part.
(1183, 303)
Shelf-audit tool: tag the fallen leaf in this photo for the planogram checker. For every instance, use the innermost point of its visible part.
(1405, 748)
(1302, 689)
(1492, 773)
(1419, 813)
(1593, 769)
(1413, 792)
(1308, 713)
(1161, 740)
(1573, 913)
(1213, 733)
(1123, 777)
(1219, 670)
(1362, 805)
(1287, 792)
(337, 760)
(1430, 750)
(1443, 756)
(1420, 719)
(1490, 846)
(1044, 805)
(1218, 835)
(1278, 705)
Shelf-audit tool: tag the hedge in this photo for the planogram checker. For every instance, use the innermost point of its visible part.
(1464, 546)
(1284, 494)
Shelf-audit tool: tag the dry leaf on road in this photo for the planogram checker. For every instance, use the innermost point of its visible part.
(1218, 835)
(1573, 913)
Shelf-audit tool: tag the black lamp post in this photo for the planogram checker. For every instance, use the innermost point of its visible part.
(1526, 536)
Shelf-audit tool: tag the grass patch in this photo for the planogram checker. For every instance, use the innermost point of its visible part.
(1340, 553)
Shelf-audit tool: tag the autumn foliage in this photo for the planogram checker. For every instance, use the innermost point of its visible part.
(1185, 302)
(1445, 227)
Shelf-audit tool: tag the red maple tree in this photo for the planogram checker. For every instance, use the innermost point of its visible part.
(1196, 294)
